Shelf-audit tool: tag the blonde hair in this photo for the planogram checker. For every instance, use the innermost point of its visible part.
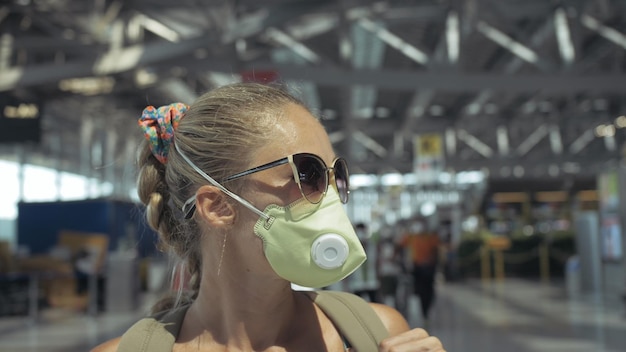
(219, 133)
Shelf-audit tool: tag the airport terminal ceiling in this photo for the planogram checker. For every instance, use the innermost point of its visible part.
(521, 88)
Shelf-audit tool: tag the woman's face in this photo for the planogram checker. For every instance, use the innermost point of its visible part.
(298, 132)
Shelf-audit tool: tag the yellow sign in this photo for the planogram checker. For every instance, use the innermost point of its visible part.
(428, 158)
(429, 145)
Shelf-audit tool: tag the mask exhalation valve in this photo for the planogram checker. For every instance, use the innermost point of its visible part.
(329, 251)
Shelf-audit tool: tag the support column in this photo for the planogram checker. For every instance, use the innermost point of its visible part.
(21, 160)
(109, 161)
(86, 133)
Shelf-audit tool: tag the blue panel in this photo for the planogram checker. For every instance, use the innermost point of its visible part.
(39, 224)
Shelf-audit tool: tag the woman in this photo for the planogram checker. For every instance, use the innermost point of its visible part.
(225, 181)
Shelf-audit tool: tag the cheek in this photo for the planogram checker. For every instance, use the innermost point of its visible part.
(280, 195)
(294, 194)
(287, 193)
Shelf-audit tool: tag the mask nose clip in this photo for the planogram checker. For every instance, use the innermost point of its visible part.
(329, 251)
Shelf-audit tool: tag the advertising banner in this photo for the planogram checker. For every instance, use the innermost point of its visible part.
(428, 160)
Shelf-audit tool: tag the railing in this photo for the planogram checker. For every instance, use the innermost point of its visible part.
(493, 258)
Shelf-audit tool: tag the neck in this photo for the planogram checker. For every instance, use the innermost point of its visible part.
(245, 310)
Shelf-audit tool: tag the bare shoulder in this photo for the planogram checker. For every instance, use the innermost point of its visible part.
(108, 346)
(393, 320)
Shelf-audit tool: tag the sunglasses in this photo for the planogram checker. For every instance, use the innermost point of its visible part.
(311, 175)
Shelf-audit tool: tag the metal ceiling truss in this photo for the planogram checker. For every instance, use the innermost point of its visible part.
(477, 72)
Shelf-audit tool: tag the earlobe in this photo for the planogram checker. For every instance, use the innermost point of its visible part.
(213, 207)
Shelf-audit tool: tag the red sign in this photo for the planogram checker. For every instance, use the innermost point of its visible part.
(259, 76)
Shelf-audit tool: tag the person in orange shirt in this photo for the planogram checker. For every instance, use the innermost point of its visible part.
(423, 247)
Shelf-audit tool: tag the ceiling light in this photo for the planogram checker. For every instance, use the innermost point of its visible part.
(160, 29)
(555, 140)
(501, 38)
(563, 36)
(452, 37)
(502, 138)
(581, 142)
(6, 49)
(475, 143)
(417, 111)
(297, 47)
(473, 109)
(118, 60)
(88, 85)
(370, 143)
(345, 48)
(394, 41)
(365, 113)
(607, 32)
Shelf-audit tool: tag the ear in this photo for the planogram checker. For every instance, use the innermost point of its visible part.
(213, 207)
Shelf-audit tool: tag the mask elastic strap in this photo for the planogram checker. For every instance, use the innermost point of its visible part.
(243, 202)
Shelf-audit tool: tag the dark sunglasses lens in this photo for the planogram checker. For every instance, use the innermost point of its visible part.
(312, 174)
(342, 179)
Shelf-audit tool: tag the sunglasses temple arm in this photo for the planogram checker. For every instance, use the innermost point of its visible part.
(222, 188)
(257, 169)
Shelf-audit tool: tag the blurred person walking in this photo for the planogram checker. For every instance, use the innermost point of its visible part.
(423, 247)
(389, 267)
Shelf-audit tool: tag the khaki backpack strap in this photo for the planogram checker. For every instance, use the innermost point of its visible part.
(354, 318)
(153, 334)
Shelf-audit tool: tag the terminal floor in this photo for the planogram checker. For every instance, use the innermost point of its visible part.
(514, 316)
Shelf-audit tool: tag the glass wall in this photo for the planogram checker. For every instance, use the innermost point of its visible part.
(31, 183)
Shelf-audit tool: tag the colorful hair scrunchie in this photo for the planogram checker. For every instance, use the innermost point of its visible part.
(159, 125)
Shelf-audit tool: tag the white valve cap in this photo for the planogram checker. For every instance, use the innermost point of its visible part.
(329, 251)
